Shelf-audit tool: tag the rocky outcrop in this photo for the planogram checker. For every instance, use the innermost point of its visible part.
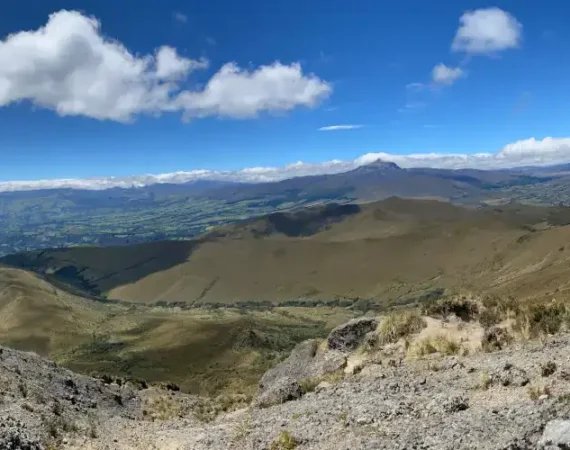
(40, 401)
(482, 401)
(280, 391)
(348, 337)
(306, 362)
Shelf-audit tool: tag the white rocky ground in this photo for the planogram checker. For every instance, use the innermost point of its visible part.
(513, 399)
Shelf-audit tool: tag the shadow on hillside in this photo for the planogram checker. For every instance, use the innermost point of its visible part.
(309, 221)
(96, 270)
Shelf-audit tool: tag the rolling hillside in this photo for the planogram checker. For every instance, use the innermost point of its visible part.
(387, 252)
(203, 352)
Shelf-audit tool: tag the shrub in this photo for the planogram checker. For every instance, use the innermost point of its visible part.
(463, 307)
(490, 317)
(540, 319)
(399, 325)
(548, 368)
(495, 338)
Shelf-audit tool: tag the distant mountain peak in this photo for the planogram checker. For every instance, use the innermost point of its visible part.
(378, 165)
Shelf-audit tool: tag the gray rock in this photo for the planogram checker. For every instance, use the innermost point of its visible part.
(326, 362)
(305, 362)
(296, 366)
(349, 336)
(283, 390)
(556, 434)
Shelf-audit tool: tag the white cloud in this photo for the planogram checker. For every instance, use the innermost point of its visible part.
(442, 74)
(234, 92)
(180, 17)
(340, 127)
(521, 153)
(170, 66)
(489, 30)
(70, 67)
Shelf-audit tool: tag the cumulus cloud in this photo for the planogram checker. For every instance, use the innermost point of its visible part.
(485, 31)
(442, 74)
(340, 127)
(170, 66)
(70, 67)
(528, 152)
(234, 92)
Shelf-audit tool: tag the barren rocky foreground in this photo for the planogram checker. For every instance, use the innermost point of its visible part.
(348, 392)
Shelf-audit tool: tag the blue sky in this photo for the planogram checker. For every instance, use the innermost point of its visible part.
(298, 67)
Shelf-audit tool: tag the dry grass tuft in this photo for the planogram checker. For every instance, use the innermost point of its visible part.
(537, 391)
(285, 442)
(163, 407)
(484, 380)
(310, 384)
(400, 325)
(440, 343)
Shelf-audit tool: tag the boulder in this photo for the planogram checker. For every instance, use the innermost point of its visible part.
(348, 337)
(556, 435)
(306, 362)
(283, 390)
(294, 367)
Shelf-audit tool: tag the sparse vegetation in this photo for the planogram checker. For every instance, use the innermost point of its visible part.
(539, 319)
(310, 384)
(439, 343)
(495, 338)
(399, 325)
(285, 441)
(23, 388)
(484, 380)
(535, 392)
(548, 368)
(461, 306)
(241, 430)
(163, 407)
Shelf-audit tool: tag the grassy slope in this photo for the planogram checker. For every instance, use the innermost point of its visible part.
(384, 251)
(204, 351)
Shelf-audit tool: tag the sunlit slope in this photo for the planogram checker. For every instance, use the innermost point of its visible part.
(383, 251)
(35, 315)
(203, 351)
